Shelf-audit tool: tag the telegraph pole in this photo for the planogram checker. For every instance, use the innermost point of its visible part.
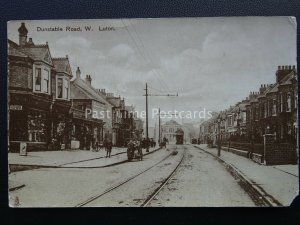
(147, 94)
(159, 125)
(147, 135)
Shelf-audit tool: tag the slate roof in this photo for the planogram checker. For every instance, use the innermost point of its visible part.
(81, 90)
(13, 51)
(115, 101)
(35, 52)
(62, 65)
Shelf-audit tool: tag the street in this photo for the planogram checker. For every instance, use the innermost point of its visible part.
(199, 180)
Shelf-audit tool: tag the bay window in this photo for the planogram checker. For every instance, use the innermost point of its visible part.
(274, 107)
(46, 81)
(41, 79)
(289, 102)
(59, 87)
(281, 102)
(62, 88)
(37, 80)
(66, 89)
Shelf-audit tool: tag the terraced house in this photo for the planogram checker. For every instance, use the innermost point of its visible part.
(49, 110)
(39, 95)
(271, 111)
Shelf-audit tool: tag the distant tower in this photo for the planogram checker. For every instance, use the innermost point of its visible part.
(22, 34)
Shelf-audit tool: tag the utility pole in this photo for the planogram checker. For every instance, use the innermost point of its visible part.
(147, 94)
(159, 125)
(147, 135)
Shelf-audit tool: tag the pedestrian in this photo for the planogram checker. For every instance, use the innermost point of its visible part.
(108, 148)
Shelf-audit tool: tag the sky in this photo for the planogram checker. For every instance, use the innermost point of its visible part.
(211, 62)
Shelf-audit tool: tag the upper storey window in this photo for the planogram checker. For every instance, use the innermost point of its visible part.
(41, 81)
(62, 88)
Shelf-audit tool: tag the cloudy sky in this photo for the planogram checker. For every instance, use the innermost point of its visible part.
(211, 62)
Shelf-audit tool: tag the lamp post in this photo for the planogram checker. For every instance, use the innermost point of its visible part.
(219, 134)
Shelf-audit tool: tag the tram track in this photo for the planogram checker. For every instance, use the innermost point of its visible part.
(164, 183)
(109, 190)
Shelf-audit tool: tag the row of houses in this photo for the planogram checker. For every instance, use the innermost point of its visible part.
(264, 126)
(270, 110)
(50, 108)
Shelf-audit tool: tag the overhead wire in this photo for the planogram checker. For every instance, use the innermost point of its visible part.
(158, 74)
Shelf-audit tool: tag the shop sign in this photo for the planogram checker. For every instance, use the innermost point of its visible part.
(16, 107)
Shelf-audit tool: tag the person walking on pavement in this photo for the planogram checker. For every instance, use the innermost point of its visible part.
(108, 147)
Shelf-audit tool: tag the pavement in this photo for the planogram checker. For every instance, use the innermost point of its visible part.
(280, 183)
(64, 158)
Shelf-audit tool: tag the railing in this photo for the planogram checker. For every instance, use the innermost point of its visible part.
(256, 148)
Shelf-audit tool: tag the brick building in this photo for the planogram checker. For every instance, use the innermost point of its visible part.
(270, 111)
(87, 105)
(37, 114)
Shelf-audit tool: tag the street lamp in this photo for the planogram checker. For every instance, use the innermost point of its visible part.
(219, 133)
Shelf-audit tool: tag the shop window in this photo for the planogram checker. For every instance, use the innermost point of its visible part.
(37, 126)
(289, 129)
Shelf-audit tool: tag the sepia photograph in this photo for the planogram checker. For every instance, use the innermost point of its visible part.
(153, 112)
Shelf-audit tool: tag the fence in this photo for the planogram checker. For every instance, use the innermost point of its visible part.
(257, 147)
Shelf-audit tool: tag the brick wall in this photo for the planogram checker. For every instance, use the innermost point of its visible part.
(20, 74)
(277, 154)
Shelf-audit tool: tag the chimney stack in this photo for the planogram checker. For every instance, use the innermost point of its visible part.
(78, 72)
(88, 80)
(22, 35)
(30, 42)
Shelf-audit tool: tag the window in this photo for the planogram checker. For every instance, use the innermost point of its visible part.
(46, 81)
(274, 107)
(266, 109)
(289, 102)
(289, 129)
(244, 117)
(37, 82)
(66, 89)
(59, 87)
(281, 102)
(41, 79)
(63, 88)
(37, 128)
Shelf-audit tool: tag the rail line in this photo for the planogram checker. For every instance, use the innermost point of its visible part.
(93, 198)
(164, 183)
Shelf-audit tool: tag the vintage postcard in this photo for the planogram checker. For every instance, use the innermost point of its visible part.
(153, 112)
